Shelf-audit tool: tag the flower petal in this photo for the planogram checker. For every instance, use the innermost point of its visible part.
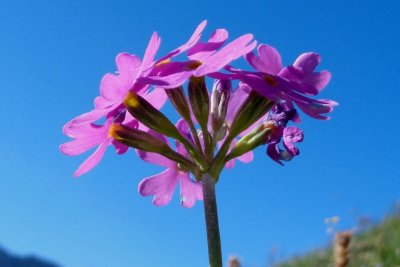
(190, 191)
(151, 50)
(155, 158)
(292, 135)
(127, 64)
(228, 53)
(192, 41)
(203, 50)
(236, 100)
(79, 146)
(156, 98)
(161, 185)
(246, 157)
(274, 153)
(307, 62)
(268, 60)
(93, 159)
(318, 80)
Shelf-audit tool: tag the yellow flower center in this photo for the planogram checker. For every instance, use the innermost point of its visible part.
(131, 100)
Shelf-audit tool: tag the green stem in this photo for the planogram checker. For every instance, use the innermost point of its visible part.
(211, 216)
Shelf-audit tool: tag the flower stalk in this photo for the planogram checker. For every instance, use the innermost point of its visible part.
(211, 216)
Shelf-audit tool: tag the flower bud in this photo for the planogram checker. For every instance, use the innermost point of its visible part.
(178, 99)
(252, 109)
(200, 103)
(144, 141)
(255, 138)
(144, 112)
(199, 100)
(219, 103)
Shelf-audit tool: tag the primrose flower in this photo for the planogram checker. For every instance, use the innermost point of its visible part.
(279, 117)
(88, 135)
(115, 87)
(162, 185)
(291, 83)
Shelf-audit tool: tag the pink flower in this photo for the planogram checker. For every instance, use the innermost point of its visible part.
(115, 87)
(162, 186)
(291, 84)
(88, 135)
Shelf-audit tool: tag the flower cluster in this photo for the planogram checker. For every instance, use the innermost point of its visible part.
(245, 109)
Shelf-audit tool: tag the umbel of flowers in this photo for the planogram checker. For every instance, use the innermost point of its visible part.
(244, 110)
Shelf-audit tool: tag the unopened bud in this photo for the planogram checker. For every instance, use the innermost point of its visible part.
(255, 138)
(219, 103)
(220, 134)
(144, 112)
(199, 100)
(178, 99)
(144, 141)
(252, 109)
(137, 139)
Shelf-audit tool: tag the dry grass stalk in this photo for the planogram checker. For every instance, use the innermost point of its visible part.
(234, 262)
(341, 248)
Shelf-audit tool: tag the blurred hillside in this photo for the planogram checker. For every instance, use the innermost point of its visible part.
(8, 260)
(378, 246)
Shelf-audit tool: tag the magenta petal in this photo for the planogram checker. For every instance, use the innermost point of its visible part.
(85, 118)
(183, 128)
(307, 62)
(190, 191)
(110, 86)
(268, 60)
(102, 103)
(85, 130)
(203, 50)
(314, 108)
(161, 185)
(292, 135)
(318, 80)
(192, 41)
(127, 63)
(78, 146)
(151, 50)
(120, 148)
(271, 57)
(93, 159)
(156, 98)
(223, 57)
(155, 158)
(246, 157)
(237, 98)
(230, 164)
(274, 153)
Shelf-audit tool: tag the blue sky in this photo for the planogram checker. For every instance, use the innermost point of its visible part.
(52, 57)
